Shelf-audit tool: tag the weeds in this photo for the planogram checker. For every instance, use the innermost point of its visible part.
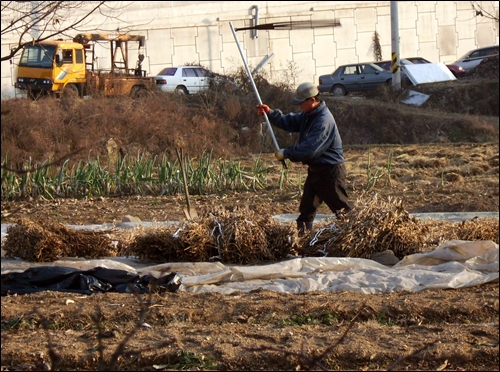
(389, 169)
(18, 323)
(189, 361)
(325, 318)
(372, 176)
(383, 318)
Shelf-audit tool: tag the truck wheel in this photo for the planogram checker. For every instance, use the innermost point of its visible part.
(71, 91)
(138, 92)
(181, 90)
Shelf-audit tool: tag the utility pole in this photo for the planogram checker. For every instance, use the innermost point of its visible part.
(396, 75)
(35, 15)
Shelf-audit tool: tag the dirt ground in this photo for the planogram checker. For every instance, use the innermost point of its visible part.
(264, 330)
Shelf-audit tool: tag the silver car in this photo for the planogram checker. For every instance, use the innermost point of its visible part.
(354, 77)
(474, 57)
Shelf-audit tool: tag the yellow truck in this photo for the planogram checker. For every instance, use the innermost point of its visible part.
(57, 67)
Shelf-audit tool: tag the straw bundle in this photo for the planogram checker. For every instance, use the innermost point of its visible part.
(237, 237)
(376, 225)
(248, 237)
(242, 236)
(373, 226)
(48, 241)
(151, 243)
(475, 229)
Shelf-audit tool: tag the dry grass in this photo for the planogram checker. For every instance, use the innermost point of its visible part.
(376, 225)
(225, 121)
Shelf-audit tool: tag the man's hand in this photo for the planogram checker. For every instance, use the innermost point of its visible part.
(263, 108)
(280, 154)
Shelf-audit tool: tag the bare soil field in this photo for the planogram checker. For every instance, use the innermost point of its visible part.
(265, 330)
(262, 330)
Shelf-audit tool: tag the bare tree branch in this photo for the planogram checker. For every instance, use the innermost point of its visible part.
(482, 12)
(35, 169)
(55, 358)
(42, 20)
(120, 350)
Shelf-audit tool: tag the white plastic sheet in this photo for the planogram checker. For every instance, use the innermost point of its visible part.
(455, 264)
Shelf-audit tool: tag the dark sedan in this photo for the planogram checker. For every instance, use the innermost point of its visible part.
(354, 77)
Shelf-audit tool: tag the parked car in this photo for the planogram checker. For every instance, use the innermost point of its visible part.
(417, 60)
(456, 70)
(354, 77)
(474, 57)
(183, 79)
(386, 65)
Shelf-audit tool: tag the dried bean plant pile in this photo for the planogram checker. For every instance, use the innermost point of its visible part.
(376, 225)
(239, 237)
(46, 242)
(242, 236)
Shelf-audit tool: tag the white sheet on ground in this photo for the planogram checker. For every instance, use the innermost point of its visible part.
(455, 264)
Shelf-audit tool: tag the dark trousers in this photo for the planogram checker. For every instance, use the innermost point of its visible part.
(324, 183)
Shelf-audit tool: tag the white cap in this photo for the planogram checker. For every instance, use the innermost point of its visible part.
(304, 91)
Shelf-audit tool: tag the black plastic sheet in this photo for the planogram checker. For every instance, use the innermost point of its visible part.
(99, 279)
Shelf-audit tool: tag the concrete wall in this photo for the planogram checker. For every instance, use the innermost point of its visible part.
(180, 32)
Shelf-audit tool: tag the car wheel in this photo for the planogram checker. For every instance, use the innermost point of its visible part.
(181, 90)
(338, 90)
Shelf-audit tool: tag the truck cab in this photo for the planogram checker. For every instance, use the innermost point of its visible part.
(51, 67)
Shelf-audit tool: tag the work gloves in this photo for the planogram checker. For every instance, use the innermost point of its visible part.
(280, 154)
(263, 108)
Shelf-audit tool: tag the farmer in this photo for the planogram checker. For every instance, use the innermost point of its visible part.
(320, 147)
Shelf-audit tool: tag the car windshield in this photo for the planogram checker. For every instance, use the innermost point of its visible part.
(376, 67)
(168, 71)
(465, 55)
(406, 62)
(384, 65)
(38, 56)
(418, 60)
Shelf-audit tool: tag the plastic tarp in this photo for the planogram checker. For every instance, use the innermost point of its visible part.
(455, 264)
(67, 279)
